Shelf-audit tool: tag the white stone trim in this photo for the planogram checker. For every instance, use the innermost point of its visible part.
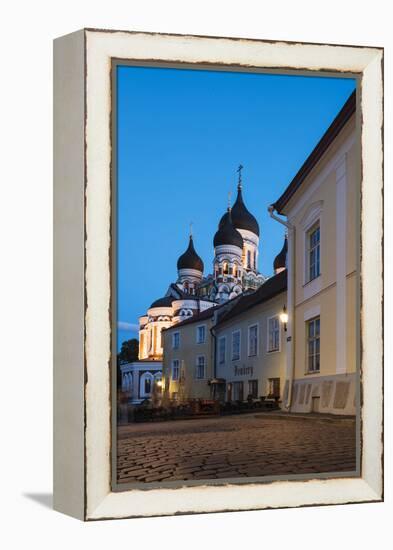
(341, 265)
(311, 312)
(251, 325)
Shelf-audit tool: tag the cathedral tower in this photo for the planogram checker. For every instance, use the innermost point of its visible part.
(189, 269)
(228, 268)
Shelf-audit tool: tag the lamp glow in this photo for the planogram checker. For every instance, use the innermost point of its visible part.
(284, 317)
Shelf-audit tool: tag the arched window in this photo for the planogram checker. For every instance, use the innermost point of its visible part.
(226, 268)
(248, 259)
(147, 387)
(186, 286)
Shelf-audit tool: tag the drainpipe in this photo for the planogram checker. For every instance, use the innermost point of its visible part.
(290, 303)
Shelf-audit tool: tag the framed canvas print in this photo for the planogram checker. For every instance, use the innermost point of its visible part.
(218, 274)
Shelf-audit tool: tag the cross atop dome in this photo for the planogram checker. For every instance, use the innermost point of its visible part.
(239, 171)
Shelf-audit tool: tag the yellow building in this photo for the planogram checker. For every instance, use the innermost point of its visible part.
(188, 358)
(321, 210)
(250, 358)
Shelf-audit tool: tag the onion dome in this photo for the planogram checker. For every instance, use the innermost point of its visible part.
(241, 217)
(227, 233)
(190, 259)
(280, 261)
(166, 301)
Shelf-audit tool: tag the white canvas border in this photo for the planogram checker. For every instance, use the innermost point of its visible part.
(101, 46)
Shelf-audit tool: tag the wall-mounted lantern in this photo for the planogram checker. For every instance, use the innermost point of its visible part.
(284, 318)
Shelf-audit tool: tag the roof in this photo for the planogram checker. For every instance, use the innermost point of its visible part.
(190, 259)
(281, 259)
(165, 301)
(203, 315)
(227, 233)
(273, 286)
(241, 217)
(331, 133)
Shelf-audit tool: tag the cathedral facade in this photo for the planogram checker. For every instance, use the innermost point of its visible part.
(235, 272)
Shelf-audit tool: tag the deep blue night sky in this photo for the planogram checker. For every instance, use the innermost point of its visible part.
(181, 136)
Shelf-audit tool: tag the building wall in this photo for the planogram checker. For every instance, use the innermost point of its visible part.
(330, 195)
(264, 365)
(188, 386)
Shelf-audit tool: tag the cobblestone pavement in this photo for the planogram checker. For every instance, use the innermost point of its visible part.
(234, 446)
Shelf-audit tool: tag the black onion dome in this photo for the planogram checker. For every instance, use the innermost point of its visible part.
(227, 233)
(223, 219)
(190, 259)
(281, 258)
(241, 217)
(166, 301)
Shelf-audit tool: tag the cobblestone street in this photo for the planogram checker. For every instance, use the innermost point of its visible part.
(234, 446)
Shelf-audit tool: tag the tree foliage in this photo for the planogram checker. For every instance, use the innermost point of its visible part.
(128, 352)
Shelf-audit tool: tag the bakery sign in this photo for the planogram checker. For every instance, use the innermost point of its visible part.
(243, 371)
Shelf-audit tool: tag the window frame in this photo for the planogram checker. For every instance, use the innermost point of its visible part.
(237, 331)
(313, 339)
(316, 225)
(197, 366)
(175, 379)
(197, 333)
(254, 325)
(278, 349)
(222, 339)
(177, 333)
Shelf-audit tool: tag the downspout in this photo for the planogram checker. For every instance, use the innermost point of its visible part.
(290, 303)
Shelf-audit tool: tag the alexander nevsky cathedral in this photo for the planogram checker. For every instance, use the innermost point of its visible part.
(235, 271)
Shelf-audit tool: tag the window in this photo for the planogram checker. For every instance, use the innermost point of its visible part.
(236, 345)
(200, 367)
(253, 388)
(252, 340)
(226, 268)
(175, 369)
(175, 340)
(201, 334)
(255, 260)
(313, 344)
(147, 386)
(313, 252)
(273, 336)
(238, 391)
(248, 259)
(274, 387)
(222, 350)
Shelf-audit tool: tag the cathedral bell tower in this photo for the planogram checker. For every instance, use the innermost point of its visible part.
(228, 267)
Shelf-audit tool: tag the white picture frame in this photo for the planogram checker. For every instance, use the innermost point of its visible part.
(82, 240)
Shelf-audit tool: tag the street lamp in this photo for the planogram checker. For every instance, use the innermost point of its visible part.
(284, 318)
